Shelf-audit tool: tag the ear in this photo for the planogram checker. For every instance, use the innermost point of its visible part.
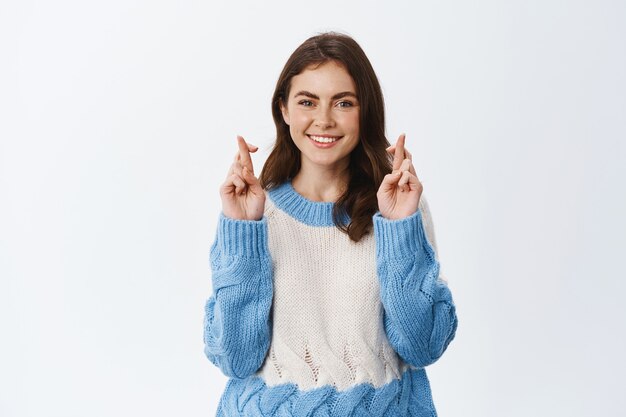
(285, 112)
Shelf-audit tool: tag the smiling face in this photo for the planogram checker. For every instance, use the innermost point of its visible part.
(322, 112)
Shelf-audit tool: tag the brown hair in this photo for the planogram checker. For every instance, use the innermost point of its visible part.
(369, 161)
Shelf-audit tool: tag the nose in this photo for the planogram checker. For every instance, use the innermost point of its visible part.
(324, 118)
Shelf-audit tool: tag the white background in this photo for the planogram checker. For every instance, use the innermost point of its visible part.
(118, 122)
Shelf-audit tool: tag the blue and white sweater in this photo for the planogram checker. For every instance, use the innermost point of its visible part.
(306, 322)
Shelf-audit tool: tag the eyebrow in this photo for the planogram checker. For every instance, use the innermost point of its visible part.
(335, 97)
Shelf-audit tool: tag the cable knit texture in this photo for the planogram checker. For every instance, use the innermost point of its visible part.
(307, 322)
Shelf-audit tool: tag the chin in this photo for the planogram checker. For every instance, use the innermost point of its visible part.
(327, 162)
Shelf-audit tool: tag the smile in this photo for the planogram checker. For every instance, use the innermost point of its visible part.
(324, 139)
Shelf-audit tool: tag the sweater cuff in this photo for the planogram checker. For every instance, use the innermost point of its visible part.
(242, 238)
(401, 238)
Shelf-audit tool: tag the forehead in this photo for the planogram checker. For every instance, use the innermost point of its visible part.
(328, 78)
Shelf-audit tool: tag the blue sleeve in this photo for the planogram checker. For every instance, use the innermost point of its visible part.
(237, 315)
(419, 314)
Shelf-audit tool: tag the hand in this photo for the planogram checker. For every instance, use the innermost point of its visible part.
(399, 193)
(242, 196)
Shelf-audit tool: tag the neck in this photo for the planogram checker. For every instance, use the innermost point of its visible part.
(322, 185)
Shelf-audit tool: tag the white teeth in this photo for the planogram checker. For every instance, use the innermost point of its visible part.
(323, 139)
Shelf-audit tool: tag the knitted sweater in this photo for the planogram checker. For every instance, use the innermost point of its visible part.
(306, 322)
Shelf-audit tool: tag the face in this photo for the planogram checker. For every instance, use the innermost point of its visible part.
(323, 116)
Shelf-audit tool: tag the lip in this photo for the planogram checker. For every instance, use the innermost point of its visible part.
(324, 135)
(325, 145)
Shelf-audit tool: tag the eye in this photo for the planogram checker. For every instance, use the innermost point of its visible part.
(345, 104)
(305, 103)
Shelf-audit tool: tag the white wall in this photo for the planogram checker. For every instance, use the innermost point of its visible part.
(118, 122)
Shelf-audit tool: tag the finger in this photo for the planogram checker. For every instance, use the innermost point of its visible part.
(235, 167)
(392, 149)
(407, 165)
(404, 181)
(231, 169)
(390, 180)
(398, 155)
(244, 153)
(252, 181)
(238, 182)
(238, 170)
(407, 154)
(251, 148)
(233, 184)
(247, 175)
(409, 182)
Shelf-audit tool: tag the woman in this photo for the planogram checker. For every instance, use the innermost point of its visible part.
(327, 298)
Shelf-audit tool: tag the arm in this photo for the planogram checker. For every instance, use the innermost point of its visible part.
(419, 314)
(237, 315)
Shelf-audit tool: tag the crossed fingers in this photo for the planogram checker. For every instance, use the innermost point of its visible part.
(402, 162)
(400, 155)
(242, 160)
(244, 154)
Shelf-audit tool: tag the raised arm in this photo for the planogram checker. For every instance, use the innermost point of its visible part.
(237, 315)
(419, 314)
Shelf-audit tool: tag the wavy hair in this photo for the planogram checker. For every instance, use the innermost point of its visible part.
(369, 161)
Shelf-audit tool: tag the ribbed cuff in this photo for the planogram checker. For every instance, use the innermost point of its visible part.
(401, 238)
(244, 238)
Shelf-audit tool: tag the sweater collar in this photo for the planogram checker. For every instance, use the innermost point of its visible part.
(313, 213)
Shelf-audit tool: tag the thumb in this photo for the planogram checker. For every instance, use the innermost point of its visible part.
(390, 180)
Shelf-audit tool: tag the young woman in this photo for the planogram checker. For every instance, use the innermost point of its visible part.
(327, 297)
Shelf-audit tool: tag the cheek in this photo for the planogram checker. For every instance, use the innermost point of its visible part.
(299, 120)
(351, 121)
